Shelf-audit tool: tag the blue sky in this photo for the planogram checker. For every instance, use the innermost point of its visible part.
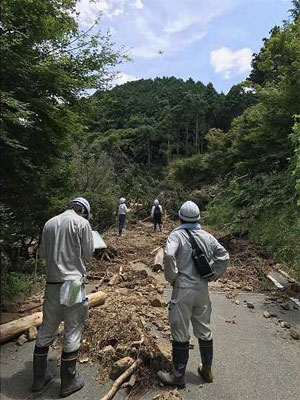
(207, 40)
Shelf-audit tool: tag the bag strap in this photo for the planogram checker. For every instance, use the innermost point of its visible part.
(193, 242)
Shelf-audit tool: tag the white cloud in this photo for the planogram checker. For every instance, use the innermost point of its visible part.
(166, 25)
(152, 42)
(139, 5)
(229, 63)
(171, 25)
(180, 24)
(121, 78)
(89, 10)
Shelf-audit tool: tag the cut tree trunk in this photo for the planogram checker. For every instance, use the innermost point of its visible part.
(15, 328)
(159, 261)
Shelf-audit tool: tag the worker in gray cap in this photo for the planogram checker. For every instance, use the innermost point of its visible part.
(192, 258)
(67, 242)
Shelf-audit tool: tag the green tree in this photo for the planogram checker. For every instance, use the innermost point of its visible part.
(295, 11)
(47, 63)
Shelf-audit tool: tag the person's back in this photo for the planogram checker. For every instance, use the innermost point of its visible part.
(190, 302)
(123, 210)
(179, 242)
(157, 210)
(156, 214)
(66, 243)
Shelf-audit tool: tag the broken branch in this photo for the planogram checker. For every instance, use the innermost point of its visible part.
(122, 378)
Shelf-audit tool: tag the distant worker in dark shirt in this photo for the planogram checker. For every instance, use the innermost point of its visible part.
(156, 215)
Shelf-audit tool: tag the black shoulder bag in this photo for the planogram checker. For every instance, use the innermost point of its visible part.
(201, 262)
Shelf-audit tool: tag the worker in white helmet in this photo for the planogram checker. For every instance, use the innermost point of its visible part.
(156, 215)
(188, 273)
(67, 242)
(123, 211)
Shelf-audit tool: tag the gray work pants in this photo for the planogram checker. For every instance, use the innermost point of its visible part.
(190, 305)
(54, 313)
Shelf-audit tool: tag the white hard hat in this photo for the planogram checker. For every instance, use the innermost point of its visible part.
(189, 212)
(122, 200)
(83, 202)
(156, 202)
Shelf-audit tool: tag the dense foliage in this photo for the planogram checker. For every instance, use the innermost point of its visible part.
(151, 122)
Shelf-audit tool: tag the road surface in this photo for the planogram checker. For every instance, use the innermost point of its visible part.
(254, 359)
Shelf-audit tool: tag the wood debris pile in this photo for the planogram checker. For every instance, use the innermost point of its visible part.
(128, 325)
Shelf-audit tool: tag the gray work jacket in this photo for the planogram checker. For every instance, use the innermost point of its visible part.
(179, 268)
(123, 210)
(67, 242)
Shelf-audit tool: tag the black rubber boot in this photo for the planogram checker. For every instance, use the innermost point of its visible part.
(206, 351)
(180, 355)
(41, 378)
(70, 382)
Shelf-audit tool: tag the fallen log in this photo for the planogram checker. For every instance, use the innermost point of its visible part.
(13, 329)
(122, 378)
(159, 261)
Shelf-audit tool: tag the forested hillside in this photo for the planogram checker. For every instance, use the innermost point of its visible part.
(156, 121)
(236, 154)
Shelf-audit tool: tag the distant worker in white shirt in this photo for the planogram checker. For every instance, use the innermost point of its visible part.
(123, 211)
(156, 215)
(67, 242)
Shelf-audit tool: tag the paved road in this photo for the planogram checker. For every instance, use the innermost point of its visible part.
(254, 359)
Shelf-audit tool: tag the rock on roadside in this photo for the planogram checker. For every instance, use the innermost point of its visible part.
(22, 339)
(32, 333)
(156, 302)
(294, 334)
(108, 351)
(286, 306)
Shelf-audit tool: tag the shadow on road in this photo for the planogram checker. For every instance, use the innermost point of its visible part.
(18, 385)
